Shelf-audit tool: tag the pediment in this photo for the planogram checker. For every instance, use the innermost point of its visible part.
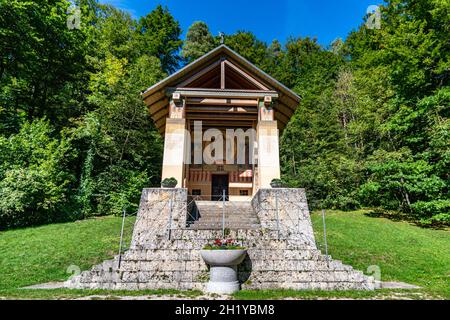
(223, 73)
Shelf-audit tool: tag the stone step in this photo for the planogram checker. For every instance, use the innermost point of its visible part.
(219, 203)
(227, 214)
(234, 227)
(250, 212)
(226, 209)
(218, 225)
(231, 221)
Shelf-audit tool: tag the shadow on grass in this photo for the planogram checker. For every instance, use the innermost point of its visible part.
(64, 293)
(398, 216)
(320, 294)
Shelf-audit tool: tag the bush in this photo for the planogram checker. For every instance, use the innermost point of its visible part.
(169, 182)
(35, 183)
(119, 188)
(436, 212)
(277, 183)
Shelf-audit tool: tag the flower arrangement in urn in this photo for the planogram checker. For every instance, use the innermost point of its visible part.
(224, 244)
(223, 257)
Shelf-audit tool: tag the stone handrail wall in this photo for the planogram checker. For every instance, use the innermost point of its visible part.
(161, 211)
(286, 212)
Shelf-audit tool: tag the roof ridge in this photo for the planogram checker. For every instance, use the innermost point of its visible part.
(278, 85)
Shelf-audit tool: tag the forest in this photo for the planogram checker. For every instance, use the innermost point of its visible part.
(372, 129)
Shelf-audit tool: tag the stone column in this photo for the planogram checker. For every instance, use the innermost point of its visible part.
(174, 150)
(268, 153)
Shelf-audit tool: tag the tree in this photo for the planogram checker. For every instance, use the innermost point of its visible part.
(37, 77)
(159, 36)
(198, 41)
(121, 145)
(248, 46)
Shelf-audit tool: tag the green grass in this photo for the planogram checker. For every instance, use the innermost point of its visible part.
(403, 252)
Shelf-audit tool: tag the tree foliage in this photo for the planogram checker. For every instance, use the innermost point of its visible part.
(372, 129)
(35, 176)
(198, 41)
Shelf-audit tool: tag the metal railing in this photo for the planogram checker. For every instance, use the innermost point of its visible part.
(288, 217)
(193, 214)
(123, 248)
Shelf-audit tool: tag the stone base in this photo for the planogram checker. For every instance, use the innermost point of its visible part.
(275, 260)
(222, 287)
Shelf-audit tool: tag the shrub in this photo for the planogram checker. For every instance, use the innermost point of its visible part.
(35, 183)
(277, 183)
(436, 212)
(169, 182)
(119, 188)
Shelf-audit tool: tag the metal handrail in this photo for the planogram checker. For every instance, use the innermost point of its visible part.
(191, 218)
(325, 234)
(281, 228)
(124, 215)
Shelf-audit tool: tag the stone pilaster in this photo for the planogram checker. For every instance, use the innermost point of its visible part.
(268, 153)
(175, 147)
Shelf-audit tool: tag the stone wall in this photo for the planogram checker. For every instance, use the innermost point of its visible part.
(285, 210)
(161, 210)
(282, 254)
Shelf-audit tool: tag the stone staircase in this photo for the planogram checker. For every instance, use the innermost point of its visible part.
(285, 258)
(176, 264)
(238, 215)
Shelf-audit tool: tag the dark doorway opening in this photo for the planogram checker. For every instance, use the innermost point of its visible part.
(219, 183)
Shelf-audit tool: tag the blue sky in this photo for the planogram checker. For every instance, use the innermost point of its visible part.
(268, 20)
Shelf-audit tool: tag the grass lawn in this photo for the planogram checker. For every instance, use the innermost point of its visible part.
(402, 251)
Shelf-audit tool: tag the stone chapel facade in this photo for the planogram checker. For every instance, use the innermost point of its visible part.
(219, 193)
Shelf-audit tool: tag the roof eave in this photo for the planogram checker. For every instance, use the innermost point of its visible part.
(158, 86)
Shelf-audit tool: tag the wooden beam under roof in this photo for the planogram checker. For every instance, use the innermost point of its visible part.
(222, 74)
(222, 109)
(151, 99)
(222, 93)
(161, 113)
(200, 73)
(209, 58)
(281, 107)
(222, 101)
(282, 117)
(246, 76)
(221, 124)
(154, 108)
(288, 101)
(222, 116)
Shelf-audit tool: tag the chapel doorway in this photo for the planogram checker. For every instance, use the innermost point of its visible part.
(219, 183)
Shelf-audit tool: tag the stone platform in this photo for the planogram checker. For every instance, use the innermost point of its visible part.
(164, 253)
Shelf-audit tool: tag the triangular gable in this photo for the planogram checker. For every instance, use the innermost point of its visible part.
(220, 69)
(222, 74)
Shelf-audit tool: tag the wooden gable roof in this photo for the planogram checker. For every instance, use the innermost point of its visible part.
(238, 78)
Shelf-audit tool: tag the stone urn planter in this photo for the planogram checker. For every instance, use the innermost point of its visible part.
(223, 269)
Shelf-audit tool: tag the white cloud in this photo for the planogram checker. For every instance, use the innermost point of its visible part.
(122, 5)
